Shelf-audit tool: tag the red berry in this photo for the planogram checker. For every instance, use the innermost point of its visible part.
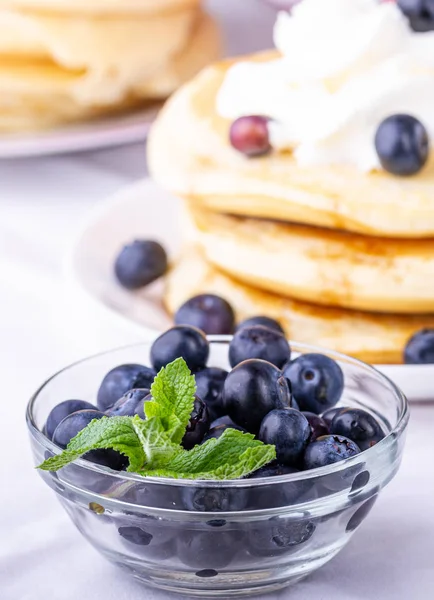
(249, 135)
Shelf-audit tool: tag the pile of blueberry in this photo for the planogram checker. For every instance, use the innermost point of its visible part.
(267, 393)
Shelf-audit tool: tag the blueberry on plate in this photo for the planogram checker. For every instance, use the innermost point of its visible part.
(62, 410)
(261, 320)
(273, 469)
(279, 535)
(327, 450)
(198, 425)
(402, 145)
(317, 425)
(330, 414)
(218, 431)
(181, 341)
(209, 387)
(121, 380)
(130, 404)
(359, 426)
(420, 13)
(140, 263)
(249, 135)
(289, 431)
(252, 389)
(73, 424)
(420, 348)
(207, 312)
(213, 549)
(261, 342)
(317, 382)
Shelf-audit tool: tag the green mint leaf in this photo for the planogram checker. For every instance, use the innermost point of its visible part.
(172, 401)
(233, 455)
(143, 442)
(155, 442)
(118, 433)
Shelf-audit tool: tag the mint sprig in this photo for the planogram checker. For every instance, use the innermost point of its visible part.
(153, 446)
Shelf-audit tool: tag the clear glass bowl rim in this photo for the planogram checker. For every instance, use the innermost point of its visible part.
(380, 447)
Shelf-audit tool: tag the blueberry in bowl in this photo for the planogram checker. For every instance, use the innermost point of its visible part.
(225, 515)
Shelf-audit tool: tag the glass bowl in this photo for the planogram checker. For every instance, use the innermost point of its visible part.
(221, 538)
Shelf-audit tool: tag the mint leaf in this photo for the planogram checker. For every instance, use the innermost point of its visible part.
(233, 455)
(172, 401)
(118, 433)
(143, 442)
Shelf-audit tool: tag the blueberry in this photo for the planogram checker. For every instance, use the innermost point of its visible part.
(207, 573)
(289, 431)
(213, 549)
(121, 380)
(249, 135)
(252, 389)
(265, 321)
(181, 341)
(273, 469)
(209, 387)
(62, 410)
(135, 535)
(327, 450)
(419, 12)
(151, 534)
(359, 426)
(207, 499)
(207, 312)
(225, 420)
(73, 424)
(317, 382)
(130, 404)
(420, 348)
(317, 425)
(330, 414)
(280, 494)
(261, 342)
(360, 514)
(402, 144)
(140, 263)
(218, 430)
(279, 535)
(360, 481)
(198, 425)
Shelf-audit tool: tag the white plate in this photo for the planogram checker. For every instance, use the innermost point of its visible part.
(144, 210)
(89, 135)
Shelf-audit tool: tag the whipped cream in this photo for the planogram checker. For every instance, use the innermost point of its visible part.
(346, 65)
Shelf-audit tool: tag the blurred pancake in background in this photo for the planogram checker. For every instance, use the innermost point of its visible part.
(58, 67)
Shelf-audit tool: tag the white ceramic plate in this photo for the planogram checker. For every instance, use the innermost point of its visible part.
(89, 135)
(144, 210)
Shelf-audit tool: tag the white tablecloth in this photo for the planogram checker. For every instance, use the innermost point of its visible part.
(42, 555)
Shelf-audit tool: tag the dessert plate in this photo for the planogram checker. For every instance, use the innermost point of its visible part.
(89, 135)
(144, 210)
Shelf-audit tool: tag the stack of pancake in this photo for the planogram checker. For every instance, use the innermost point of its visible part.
(342, 258)
(67, 60)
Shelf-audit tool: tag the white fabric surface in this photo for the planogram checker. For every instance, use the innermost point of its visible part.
(42, 555)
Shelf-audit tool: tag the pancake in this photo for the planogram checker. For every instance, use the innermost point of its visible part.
(100, 6)
(322, 266)
(374, 338)
(56, 68)
(198, 163)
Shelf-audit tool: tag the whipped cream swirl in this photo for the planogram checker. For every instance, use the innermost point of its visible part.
(346, 65)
